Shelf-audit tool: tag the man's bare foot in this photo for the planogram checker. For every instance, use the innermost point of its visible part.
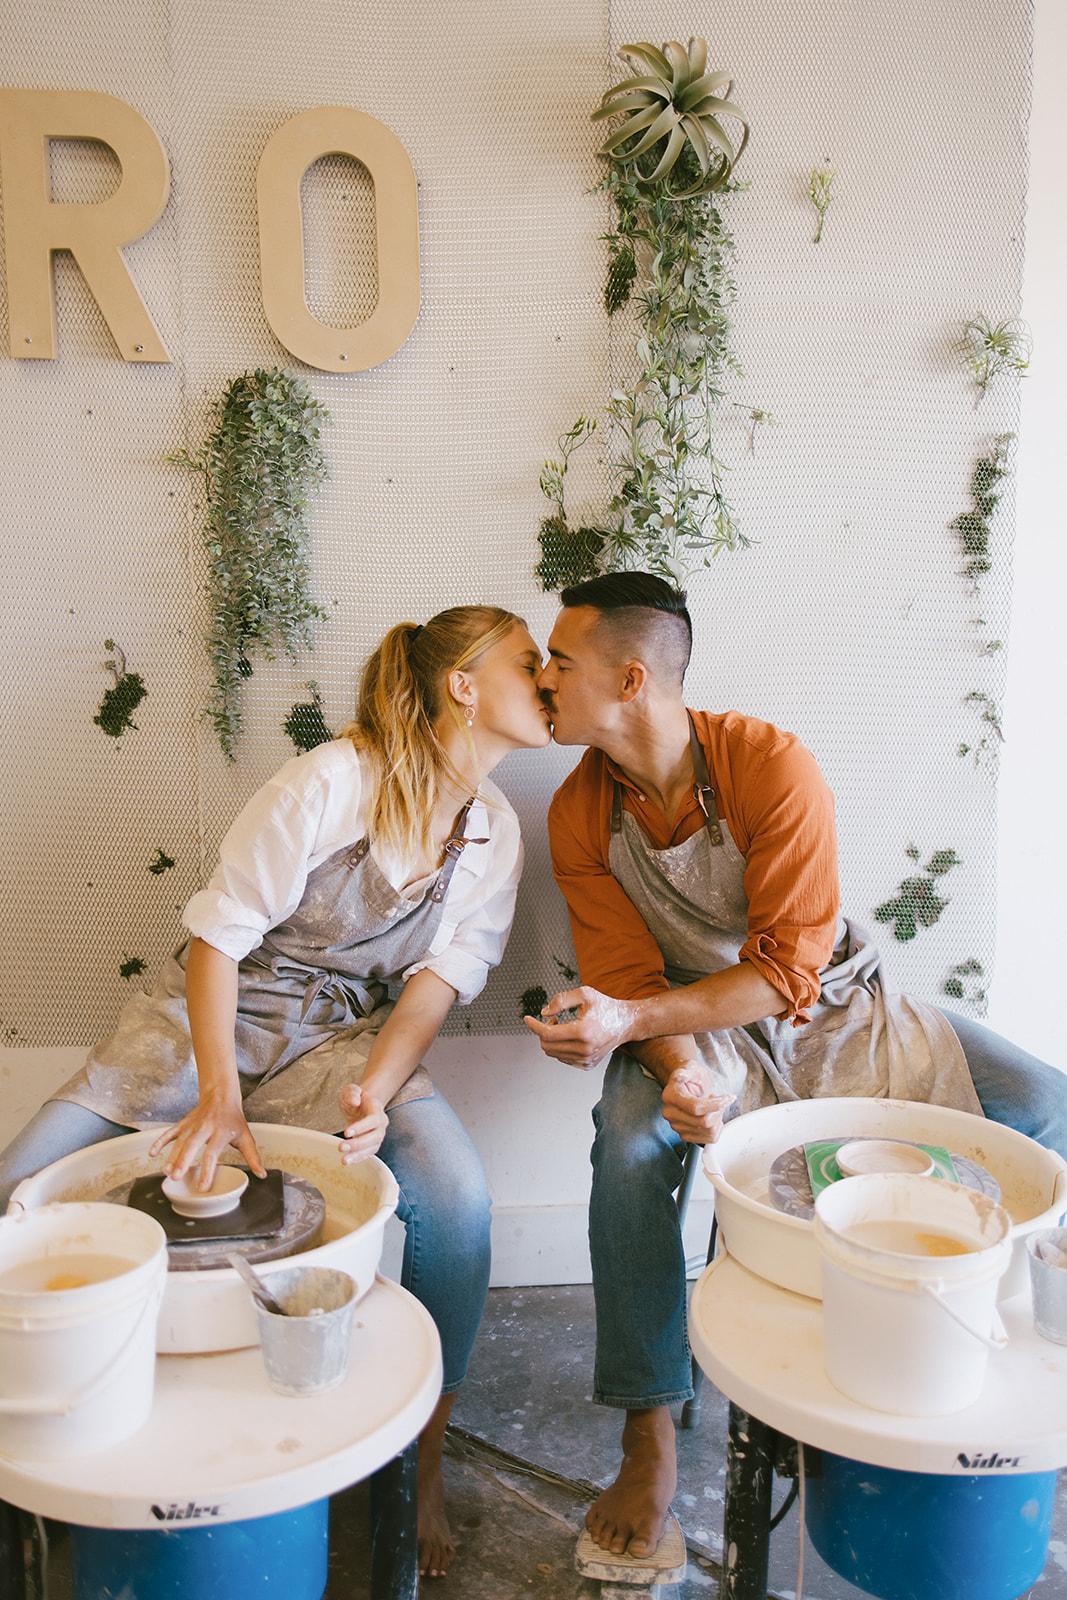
(436, 1550)
(629, 1516)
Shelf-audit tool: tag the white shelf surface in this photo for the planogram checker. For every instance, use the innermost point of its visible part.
(221, 1445)
(763, 1347)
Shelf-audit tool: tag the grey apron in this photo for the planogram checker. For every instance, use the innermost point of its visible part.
(311, 999)
(860, 1040)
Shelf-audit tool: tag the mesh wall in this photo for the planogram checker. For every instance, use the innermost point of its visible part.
(848, 621)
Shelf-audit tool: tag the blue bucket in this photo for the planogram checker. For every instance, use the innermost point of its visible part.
(284, 1554)
(914, 1535)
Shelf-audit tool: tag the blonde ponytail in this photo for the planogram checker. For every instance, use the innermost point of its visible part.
(403, 692)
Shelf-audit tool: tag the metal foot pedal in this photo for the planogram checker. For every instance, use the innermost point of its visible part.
(643, 1577)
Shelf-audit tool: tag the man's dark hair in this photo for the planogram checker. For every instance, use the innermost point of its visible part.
(641, 615)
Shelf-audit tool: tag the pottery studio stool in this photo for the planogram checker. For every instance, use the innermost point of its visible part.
(906, 1508)
(225, 1490)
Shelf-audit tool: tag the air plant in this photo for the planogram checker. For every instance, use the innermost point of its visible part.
(989, 348)
(755, 419)
(672, 104)
(820, 193)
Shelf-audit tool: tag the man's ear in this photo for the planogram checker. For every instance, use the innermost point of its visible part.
(634, 677)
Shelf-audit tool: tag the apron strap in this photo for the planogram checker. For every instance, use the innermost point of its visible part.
(702, 790)
(453, 850)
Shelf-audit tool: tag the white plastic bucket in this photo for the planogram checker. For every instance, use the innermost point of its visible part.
(905, 1331)
(77, 1365)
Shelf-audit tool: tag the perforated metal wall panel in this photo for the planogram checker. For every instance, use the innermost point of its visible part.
(848, 621)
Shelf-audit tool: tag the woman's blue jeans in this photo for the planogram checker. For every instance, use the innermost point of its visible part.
(635, 1242)
(444, 1205)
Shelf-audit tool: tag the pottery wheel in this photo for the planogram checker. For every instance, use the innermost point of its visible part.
(305, 1218)
(790, 1182)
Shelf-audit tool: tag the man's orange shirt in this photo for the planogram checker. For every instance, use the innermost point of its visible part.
(780, 811)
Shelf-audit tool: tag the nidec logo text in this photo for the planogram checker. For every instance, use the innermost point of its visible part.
(990, 1463)
(186, 1513)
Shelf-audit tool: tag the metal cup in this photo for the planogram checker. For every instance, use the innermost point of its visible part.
(306, 1351)
(1049, 1284)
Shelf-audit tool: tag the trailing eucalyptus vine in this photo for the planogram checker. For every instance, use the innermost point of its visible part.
(260, 465)
(671, 257)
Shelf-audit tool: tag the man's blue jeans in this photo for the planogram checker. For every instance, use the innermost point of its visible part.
(635, 1241)
(444, 1205)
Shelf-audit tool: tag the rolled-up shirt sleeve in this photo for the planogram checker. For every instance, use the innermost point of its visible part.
(262, 871)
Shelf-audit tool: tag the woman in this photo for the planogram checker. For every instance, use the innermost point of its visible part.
(381, 855)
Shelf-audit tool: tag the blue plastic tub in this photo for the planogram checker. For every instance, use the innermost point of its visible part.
(924, 1536)
(284, 1554)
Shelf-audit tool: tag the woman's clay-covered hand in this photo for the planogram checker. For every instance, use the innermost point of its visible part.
(366, 1127)
(601, 1026)
(212, 1125)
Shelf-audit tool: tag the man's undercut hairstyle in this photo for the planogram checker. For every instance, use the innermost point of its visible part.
(641, 617)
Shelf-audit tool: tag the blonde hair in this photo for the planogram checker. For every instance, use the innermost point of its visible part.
(403, 691)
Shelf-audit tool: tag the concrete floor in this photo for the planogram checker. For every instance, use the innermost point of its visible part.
(525, 1457)
(529, 1450)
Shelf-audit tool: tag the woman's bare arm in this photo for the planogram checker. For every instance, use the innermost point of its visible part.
(410, 1029)
(217, 1119)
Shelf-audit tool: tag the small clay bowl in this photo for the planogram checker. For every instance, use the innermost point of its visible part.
(224, 1195)
(861, 1156)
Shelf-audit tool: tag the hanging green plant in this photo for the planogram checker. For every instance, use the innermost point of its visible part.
(671, 256)
(975, 536)
(917, 902)
(119, 703)
(568, 555)
(973, 526)
(989, 348)
(260, 464)
(305, 725)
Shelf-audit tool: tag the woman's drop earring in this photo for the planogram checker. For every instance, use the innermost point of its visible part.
(468, 715)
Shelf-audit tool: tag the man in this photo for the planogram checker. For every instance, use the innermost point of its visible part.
(697, 855)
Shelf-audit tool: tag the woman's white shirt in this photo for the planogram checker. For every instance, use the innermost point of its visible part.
(319, 803)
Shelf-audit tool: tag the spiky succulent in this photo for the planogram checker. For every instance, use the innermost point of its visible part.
(675, 102)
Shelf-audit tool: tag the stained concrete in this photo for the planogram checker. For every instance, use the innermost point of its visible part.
(527, 1454)
(529, 1450)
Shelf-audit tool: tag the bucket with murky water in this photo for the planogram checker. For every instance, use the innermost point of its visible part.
(80, 1290)
(910, 1270)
